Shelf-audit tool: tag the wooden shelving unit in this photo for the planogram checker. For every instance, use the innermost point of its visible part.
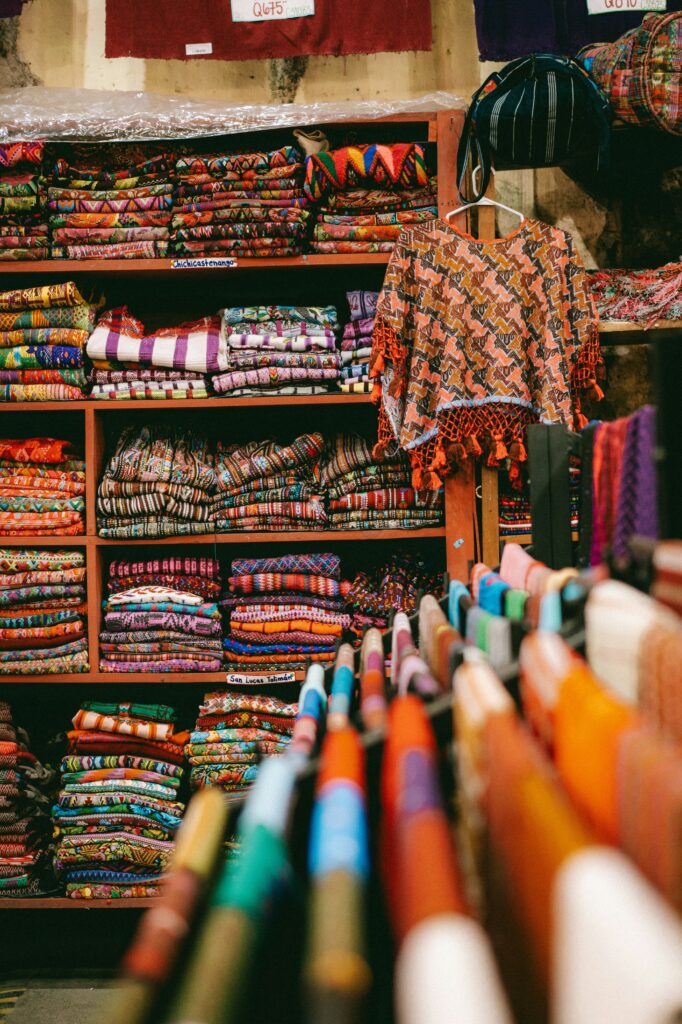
(159, 291)
(63, 903)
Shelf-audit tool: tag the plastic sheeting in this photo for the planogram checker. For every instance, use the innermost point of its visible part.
(90, 115)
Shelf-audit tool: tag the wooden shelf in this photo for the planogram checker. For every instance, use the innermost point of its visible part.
(278, 537)
(63, 903)
(165, 266)
(527, 538)
(135, 678)
(255, 401)
(613, 332)
(38, 541)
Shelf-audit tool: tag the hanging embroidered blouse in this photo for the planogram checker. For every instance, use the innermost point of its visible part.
(477, 339)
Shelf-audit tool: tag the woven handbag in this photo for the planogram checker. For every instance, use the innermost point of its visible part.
(641, 73)
(538, 111)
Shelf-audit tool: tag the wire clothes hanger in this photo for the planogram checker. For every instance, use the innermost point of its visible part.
(484, 201)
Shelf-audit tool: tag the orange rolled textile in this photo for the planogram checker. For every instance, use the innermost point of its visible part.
(650, 808)
(660, 677)
(439, 642)
(589, 726)
(478, 695)
(545, 660)
(532, 830)
(419, 862)
(667, 585)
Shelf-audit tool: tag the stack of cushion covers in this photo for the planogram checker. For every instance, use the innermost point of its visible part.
(118, 810)
(42, 612)
(26, 793)
(158, 483)
(367, 194)
(242, 204)
(282, 612)
(23, 223)
(162, 615)
(281, 350)
(233, 732)
(42, 487)
(170, 363)
(43, 334)
(110, 205)
(356, 342)
(364, 495)
(269, 486)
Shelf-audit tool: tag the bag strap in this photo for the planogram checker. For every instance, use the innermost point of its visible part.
(470, 145)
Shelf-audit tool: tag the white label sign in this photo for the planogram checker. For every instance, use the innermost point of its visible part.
(240, 679)
(271, 10)
(198, 49)
(205, 263)
(623, 6)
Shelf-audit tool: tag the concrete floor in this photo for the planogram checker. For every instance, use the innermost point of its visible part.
(57, 999)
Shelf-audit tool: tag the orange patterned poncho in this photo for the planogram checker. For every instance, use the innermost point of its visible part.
(474, 339)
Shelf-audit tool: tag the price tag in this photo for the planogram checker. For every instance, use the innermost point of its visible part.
(624, 6)
(271, 10)
(198, 49)
(270, 679)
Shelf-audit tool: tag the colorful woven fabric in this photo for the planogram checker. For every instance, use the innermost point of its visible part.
(401, 165)
(467, 405)
(638, 296)
(117, 813)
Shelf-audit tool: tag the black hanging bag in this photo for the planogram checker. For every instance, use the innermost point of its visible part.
(539, 111)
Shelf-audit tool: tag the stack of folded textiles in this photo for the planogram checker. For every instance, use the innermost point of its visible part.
(43, 334)
(109, 209)
(515, 517)
(369, 194)
(170, 363)
(285, 611)
(244, 204)
(162, 616)
(158, 483)
(233, 732)
(264, 485)
(639, 296)
(23, 222)
(356, 343)
(118, 809)
(26, 792)
(393, 586)
(42, 612)
(42, 487)
(279, 350)
(366, 495)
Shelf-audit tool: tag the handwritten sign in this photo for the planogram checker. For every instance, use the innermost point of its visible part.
(204, 263)
(269, 679)
(271, 10)
(624, 6)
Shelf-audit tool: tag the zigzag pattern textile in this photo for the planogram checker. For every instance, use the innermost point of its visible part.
(111, 202)
(244, 204)
(278, 350)
(233, 732)
(43, 487)
(43, 335)
(42, 612)
(281, 612)
(118, 809)
(475, 339)
(162, 615)
(26, 792)
(368, 195)
(23, 222)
